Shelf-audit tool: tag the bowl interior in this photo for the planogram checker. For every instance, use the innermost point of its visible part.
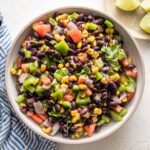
(129, 44)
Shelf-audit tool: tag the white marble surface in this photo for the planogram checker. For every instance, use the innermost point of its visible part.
(135, 134)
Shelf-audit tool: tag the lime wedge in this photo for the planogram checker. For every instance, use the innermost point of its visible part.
(127, 5)
(146, 5)
(145, 23)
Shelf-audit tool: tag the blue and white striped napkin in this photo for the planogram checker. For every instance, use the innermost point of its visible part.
(14, 135)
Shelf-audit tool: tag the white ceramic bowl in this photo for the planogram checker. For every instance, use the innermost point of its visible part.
(129, 44)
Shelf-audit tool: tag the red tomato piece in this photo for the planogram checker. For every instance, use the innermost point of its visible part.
(75, 34)
(46, 81)
(82, 79)
(37, 119)
(30, 113)
(118, 108)
(124, 62)
(82, 57)
(42, 116)
(41, 28)
(90, 129)
(68, 97)
(130, 96)
(88, 92)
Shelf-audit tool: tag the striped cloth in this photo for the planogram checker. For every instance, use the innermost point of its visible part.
(14, 135)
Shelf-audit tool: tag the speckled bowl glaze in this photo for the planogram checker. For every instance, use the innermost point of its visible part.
(129, 44)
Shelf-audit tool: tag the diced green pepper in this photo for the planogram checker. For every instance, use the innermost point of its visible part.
(20, 99)
(82, 101)
(101, 122)
(122, 88)
(59, 73)
(123, 112)
(30, 80)
(27, 53)
(62, 47)
(131, 85)
(65, 71)
(33, 66)
(76, 88)
(109, 24)
(116, 117)
(39, 89)
(22, 89)
(105, 118)
(74, 16)
(91, 26)
(98, 76)
(58, 94)
(30, 88)
(54, 82)
(52, 20)
(99, 63)
(66, 104)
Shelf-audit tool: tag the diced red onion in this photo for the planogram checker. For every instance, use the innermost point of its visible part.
(55, 128)
(89, 81)
(23, 77)
(59, 30)
(71, 25)
(47, 123)
(123, 95)
(46, 87)
(116, 99)
(38, 107)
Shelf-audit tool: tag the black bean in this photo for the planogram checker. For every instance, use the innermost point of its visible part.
(85, 18)
(51, 52)
(85, 43)
(18, 86)
(51, 24)
(97, 48)
(30, 101)
(29, 46)
(60, 24)
(34, 51)
(113, 104)
(23, 109)
(78, 51)
(92, 77)
(104, 98)
(94, 90)
(71, 69)
(130, 66)
(57, 107)
(79, 66)
(105, 69)
(91, 106)
(38, 73)
(72, 52)
(112, 87)
(107, 38)
(68, 39)
(21, 52)
(80, 17)
(83, 111)
(34, 58)
(97, 32)
(70, 85)
(52, 68)
(75, 59)
(73, 128)
(49, 36)
(73, 105)
(35, 35)
(96, 99)
(90, 17)
(57, 54)
(79, 109)
(97, 129)
(40, 54)
(100, 43)
(98, 21)
(84, 49)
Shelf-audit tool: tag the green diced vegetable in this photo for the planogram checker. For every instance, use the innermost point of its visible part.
(99, 63)
(54, 114)
(131, 85)
(116, 117)
(122, 88)
(54, 82)
(58, 94)
(91, 26)
(52, 20)
(20, 99)
(82, 101)
(74, 16)
(45, 106)
(123, 112)
(27, 53)
(101, 122)
(59, 73)
(109, 24)
(98, 76)
(62, 47)
(39, 89)
(76, 88)
(30, 88)
(22, 89)
(66, 104)
(33, 66)
(106, 118)
(65, 71)
(29, 81)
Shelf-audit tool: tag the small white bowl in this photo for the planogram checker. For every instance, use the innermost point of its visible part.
(129, 44)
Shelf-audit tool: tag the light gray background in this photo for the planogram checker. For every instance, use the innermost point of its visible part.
(135, 134)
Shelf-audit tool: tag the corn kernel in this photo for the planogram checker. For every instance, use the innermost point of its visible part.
(47, 73)
(94, 69)
(23, 105)
(65, 79)
(47, 130)
(85, 33)
(64, 86)
(79, 125)
(90, 51)
(91, 39)
(60, 101)
(52, 94)
(13, 71)
(130, 61)
(61, 17)
(19, 72)
(101, 35)
(62, 110)
(95, 55)
(124, 100)
(94, 43)
(111, 36)
(82, 86)
(117, 93)
(65, 22)
(73, 78)
(75, 119)
(67, 65)
(74, 112)
(98, 111)
(36, 81)
(87, 115)
(94, 119)
(57, 87)
(57, 37)
(114, 77)
(79, 45)
(60, 66)
(104, 80)
(125, 83)
(43, 68)
(79, 132)
(83, 95)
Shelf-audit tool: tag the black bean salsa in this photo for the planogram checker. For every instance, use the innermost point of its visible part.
(73, 75)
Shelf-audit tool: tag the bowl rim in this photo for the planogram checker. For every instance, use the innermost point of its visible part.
(93, 138)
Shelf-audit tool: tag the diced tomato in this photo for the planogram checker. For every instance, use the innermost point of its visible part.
(124, 62)
(41, 28)
(30, 113)
(82, 57)
(130, 96)
(42, 116)
(132, 73)
(82, 79)
(88, 92)
(24, 67)
(37, 119)
(46, 80)
(118, 108)
(75, 34)
(19, 62)
(90, 129)
(68, 97)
